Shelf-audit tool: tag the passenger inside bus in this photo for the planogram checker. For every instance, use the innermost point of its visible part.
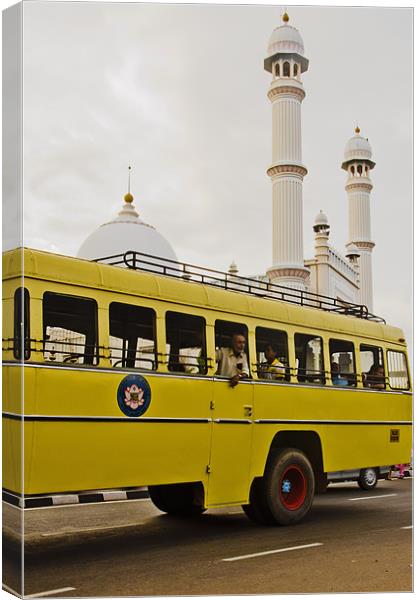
(272, 351)
(372, 365)
(375, 377)
(337, 378)
(232, 360)
(342, 362)
(273, 368)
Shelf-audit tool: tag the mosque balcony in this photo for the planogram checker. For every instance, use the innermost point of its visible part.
(340, 264)
(356, 158)
(288, 167)
(295, 56)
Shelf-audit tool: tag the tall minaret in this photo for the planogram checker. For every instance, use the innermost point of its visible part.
(358, 164)
(286, 63)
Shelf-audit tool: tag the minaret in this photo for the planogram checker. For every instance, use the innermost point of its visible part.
(358, 164)
(321, 253)
(286, 63)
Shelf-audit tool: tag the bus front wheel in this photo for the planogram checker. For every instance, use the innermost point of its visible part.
(176, 499)
(285, 493)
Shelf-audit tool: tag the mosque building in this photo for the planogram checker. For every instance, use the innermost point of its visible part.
(346, 277)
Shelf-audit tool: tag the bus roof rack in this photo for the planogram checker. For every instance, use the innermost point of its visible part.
(262, 289)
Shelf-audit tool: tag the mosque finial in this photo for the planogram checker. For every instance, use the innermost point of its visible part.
(129, 197)
(357, 129)
(285, 17)
(233, 270)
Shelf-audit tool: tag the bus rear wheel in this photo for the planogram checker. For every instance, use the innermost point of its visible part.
(177, 499)
(368, 479)
(285, 493)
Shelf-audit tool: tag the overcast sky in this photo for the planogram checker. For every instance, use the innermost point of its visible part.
(179, 93)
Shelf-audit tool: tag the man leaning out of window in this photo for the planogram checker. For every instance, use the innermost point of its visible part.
(232, 361)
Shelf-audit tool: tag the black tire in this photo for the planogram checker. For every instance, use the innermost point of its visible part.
(368, 478)
(177, 499)
(285, 493)
(257, 509)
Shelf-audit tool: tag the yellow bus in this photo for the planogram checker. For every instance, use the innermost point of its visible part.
(111, 382)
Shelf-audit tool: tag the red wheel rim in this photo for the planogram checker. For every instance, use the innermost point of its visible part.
(293, 487)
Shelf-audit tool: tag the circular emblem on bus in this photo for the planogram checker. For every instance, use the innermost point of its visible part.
(134, 395)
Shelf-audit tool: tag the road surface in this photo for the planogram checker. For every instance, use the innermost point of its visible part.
(352, 541)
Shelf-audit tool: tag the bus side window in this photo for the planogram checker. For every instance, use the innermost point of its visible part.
(397, 370)
(186, 343)
(22, 345)
(132, 336)
(309, 357)
(70, 329)
(372, 367)
(272, 354)
(224, 332)
(342, 363)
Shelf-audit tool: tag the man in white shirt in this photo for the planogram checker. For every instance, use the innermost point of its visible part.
(232, 362)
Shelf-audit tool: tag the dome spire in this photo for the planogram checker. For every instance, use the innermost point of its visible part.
(233, 270)
(285, 17)
(129, 197)
(357, 129)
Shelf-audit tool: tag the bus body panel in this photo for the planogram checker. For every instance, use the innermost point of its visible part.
(84, 451)
(357, 425)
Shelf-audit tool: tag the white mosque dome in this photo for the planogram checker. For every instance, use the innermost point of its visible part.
(357, 148)
(124, 233)
(285, 38)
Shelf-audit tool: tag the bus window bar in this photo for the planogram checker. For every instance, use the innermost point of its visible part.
(123, 357)
(69, 351)
(130, 362)
(21, 347)
(12, 343)
(34, 345)
(193, 273)
(187, 363)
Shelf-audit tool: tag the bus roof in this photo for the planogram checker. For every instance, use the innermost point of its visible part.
(47, 266)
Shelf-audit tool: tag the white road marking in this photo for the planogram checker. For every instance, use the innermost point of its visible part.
(407, 527)
(371, 497)
(50, 592)
(270, 552)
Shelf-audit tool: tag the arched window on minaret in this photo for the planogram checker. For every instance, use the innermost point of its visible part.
(366, 170)
(277, 70)
(359, 169)
(353, 170)
(295, 70)
(286, 69)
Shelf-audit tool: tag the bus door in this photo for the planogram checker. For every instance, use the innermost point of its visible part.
(231, 432)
